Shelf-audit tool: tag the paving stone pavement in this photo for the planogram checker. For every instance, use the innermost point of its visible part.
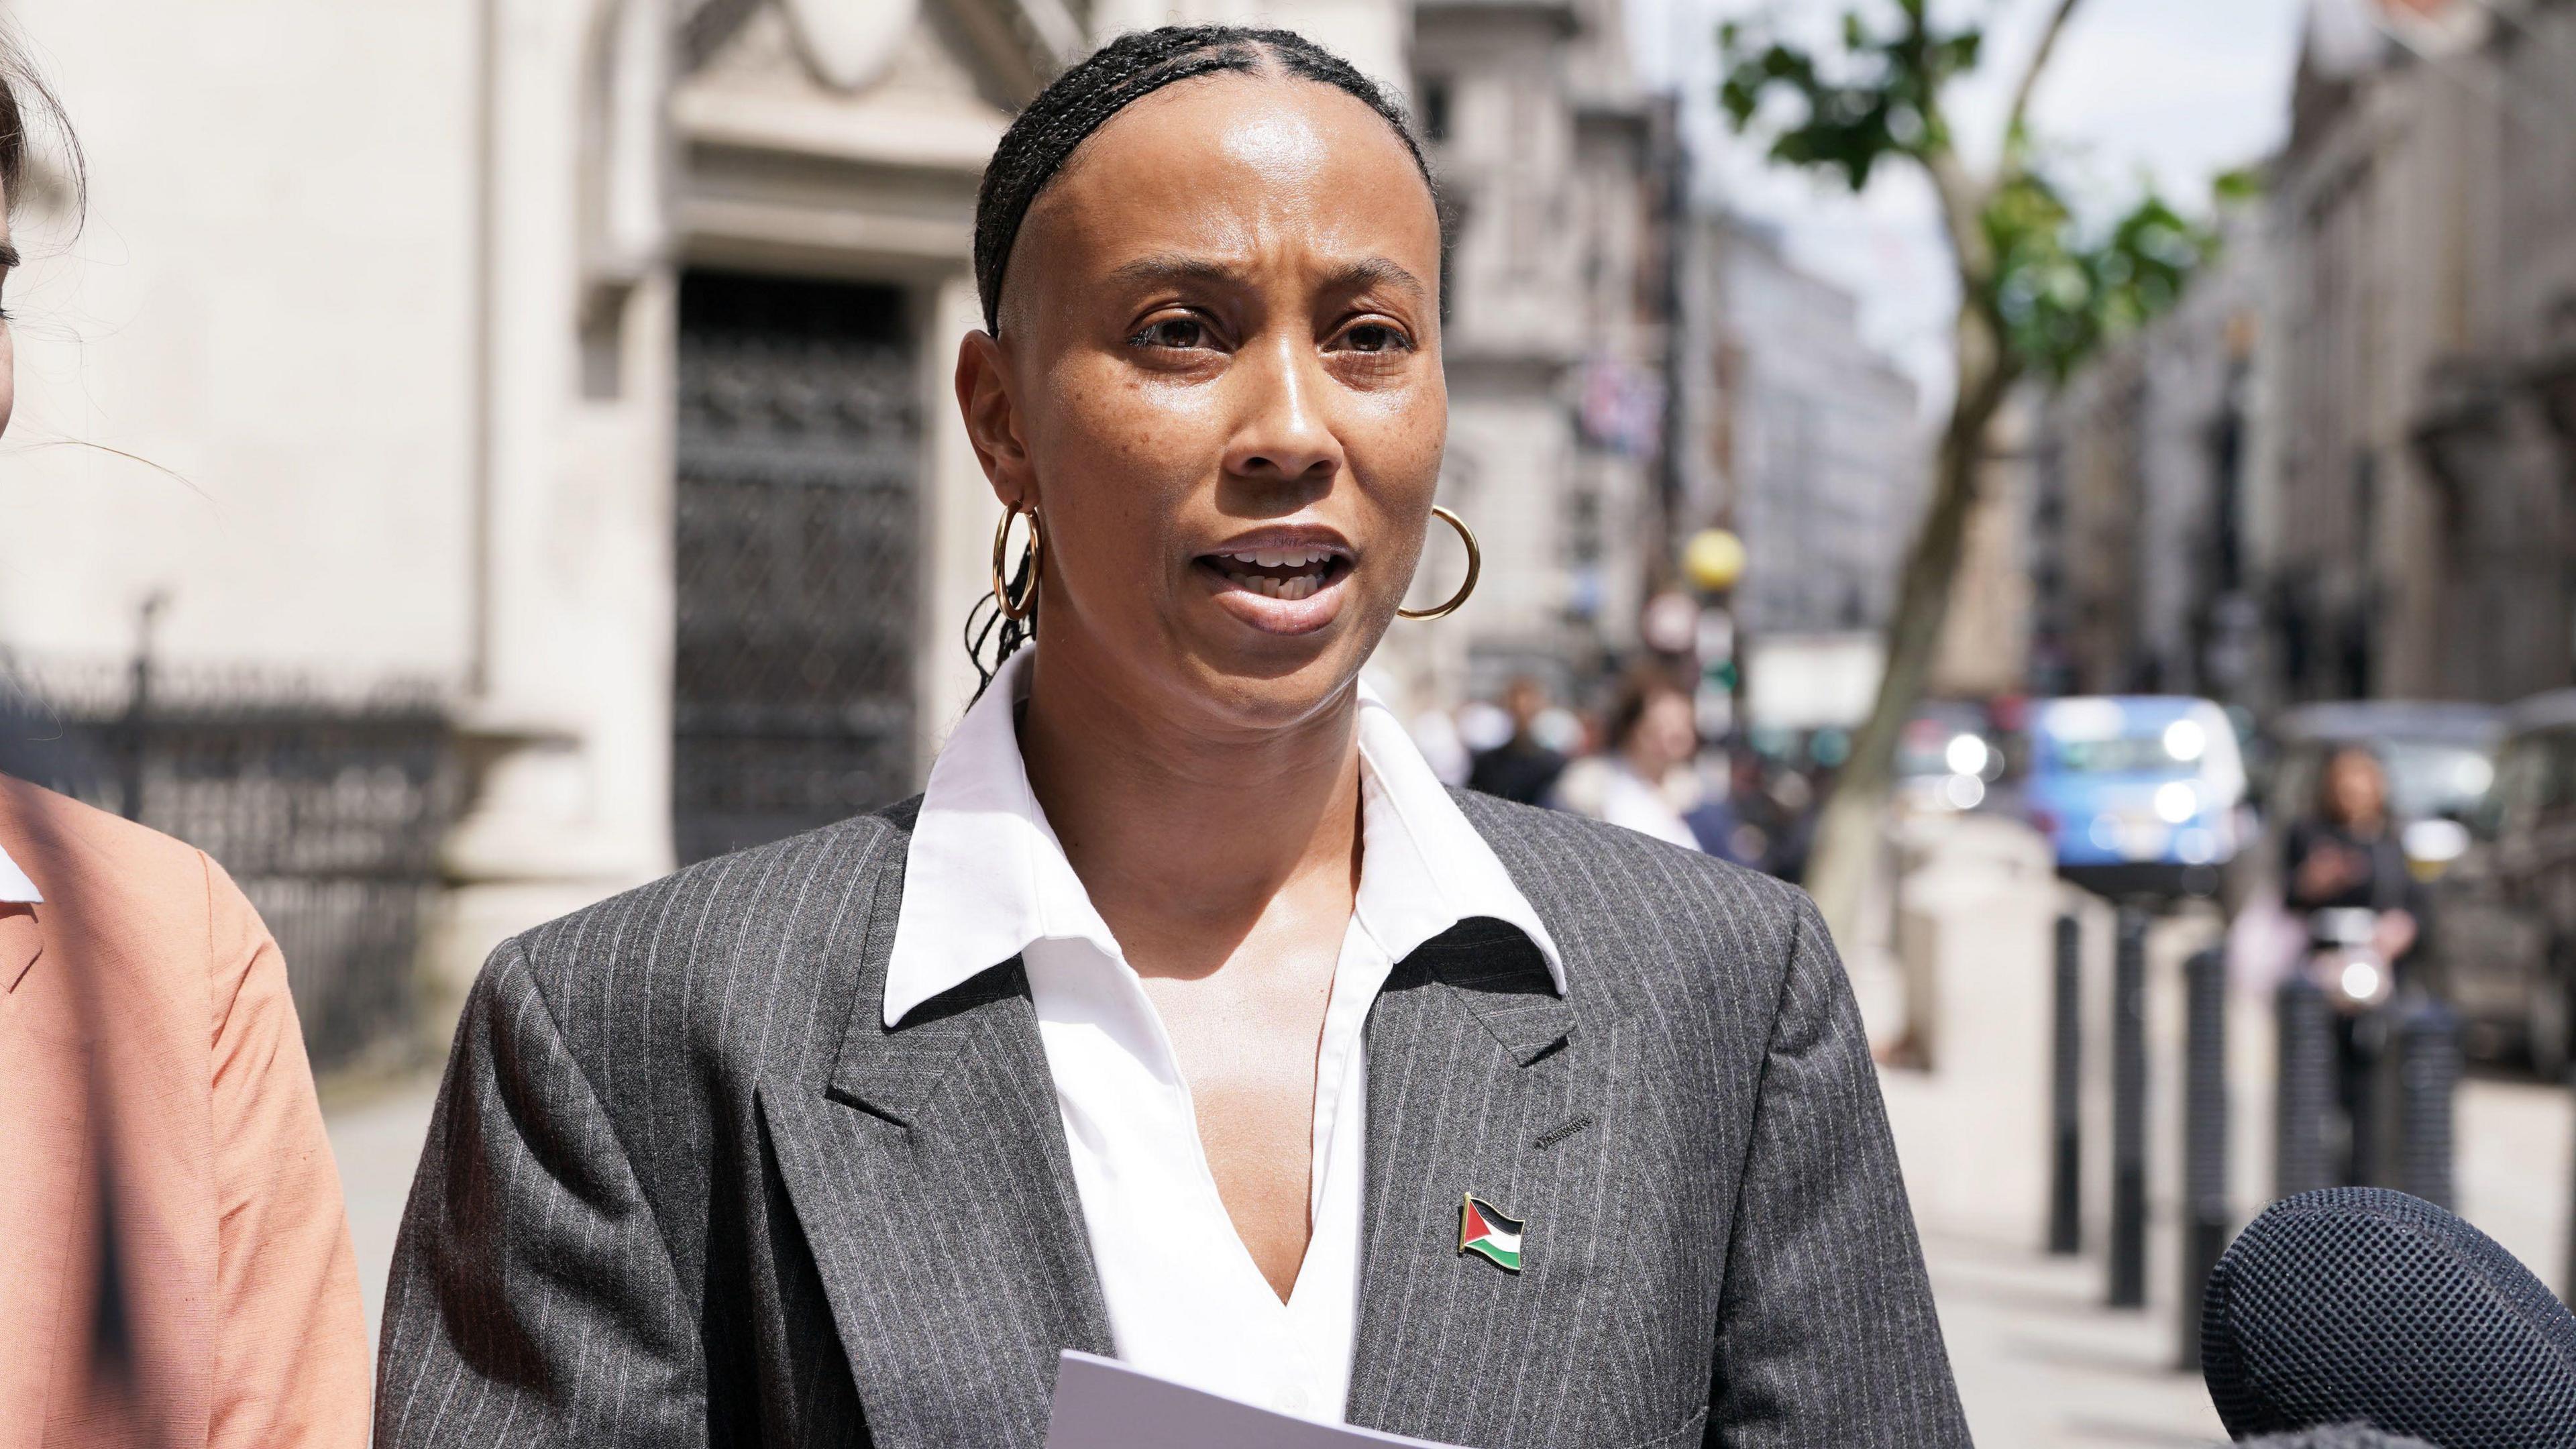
(377, 1138)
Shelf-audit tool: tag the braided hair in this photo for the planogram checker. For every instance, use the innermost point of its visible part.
(1065, 114)
(1116, 76)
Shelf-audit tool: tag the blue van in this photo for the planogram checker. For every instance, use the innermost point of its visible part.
(2138, 794)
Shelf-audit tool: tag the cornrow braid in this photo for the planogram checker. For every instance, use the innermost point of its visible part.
(1117, 75)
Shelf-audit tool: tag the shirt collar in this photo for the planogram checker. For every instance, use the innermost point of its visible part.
(15, 888)
(1423, 867)
(984, 875)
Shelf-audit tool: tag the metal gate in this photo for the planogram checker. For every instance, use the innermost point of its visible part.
(798, 525)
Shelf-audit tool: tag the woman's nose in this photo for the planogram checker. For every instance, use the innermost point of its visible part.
(1285, 435)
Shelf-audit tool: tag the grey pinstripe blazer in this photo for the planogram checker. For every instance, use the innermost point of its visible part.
(684, 1188)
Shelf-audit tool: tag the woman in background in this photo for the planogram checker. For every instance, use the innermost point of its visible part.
(175, 1269)
(2347, 854)
(1644, 781)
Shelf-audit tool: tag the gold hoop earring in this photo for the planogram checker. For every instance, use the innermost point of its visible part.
(1034, 559)
(1475, 564)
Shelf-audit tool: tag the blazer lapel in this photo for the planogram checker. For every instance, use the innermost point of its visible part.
(1479, 1083)
(932, 1183)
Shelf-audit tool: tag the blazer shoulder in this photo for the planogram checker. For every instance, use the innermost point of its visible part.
(1639, 906)
(1552, 845)
(696, 922)
(38, 825)
(116, 877)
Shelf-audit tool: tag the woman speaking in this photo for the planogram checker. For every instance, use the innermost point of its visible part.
(1185, 1017)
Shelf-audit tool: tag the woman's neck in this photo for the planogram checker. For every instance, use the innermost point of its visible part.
(1184, 837)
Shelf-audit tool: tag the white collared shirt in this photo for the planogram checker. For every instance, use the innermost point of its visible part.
(15, 888)
(985, 879)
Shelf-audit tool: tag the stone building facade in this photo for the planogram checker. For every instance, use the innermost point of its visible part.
(582, 365)
(2421, 540)
(1552, 171)
(2344, 466)
(583, 368)
(2144, 468)
(1819, 441)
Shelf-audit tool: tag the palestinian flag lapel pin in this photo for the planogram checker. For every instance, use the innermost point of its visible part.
(1483, 1230)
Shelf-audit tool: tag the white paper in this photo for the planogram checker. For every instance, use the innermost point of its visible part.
(1103, 1404)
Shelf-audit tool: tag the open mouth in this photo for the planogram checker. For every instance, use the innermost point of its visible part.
(1286, 574)
(1285, 582)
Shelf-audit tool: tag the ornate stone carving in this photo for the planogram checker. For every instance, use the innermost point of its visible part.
(848, 43)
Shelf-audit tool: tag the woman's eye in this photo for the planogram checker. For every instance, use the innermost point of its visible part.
(1174, 332)
(1373, 337)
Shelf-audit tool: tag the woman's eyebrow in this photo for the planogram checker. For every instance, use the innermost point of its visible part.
(1375, 271)
(1165, 268)
(8, 257)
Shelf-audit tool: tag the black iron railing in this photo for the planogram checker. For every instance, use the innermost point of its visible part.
(327, 811)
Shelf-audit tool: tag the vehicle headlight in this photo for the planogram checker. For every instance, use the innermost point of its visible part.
(2185, 740)
(1966, 755)
(2176, 802)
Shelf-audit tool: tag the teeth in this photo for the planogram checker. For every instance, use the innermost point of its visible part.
(1278, 558)
(1303, 586)
(1295, 586)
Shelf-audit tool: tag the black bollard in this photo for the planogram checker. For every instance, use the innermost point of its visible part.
(2204, 1139)
(2066, 1090)
(2369, 1092)
(2423, 1057)
(2129, 1112)
(2307, 1088)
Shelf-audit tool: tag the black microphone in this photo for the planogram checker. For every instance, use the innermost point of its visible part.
(2361, 1306)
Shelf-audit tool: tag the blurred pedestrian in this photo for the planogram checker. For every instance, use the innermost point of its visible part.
(1718, 820)
(1643, 781)
(1522, 767)
(2346, 857)
(175, 1268)
(1797, 796)
(2346, 853)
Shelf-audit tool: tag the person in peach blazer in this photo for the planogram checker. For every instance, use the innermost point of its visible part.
(175, 1268)
(174, 1257)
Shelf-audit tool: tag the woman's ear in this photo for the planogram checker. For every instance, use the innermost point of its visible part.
(992, 417)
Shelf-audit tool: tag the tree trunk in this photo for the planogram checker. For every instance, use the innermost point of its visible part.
(1848, 829)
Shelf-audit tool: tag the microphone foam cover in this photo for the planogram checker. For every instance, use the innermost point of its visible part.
(2361, 1305)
